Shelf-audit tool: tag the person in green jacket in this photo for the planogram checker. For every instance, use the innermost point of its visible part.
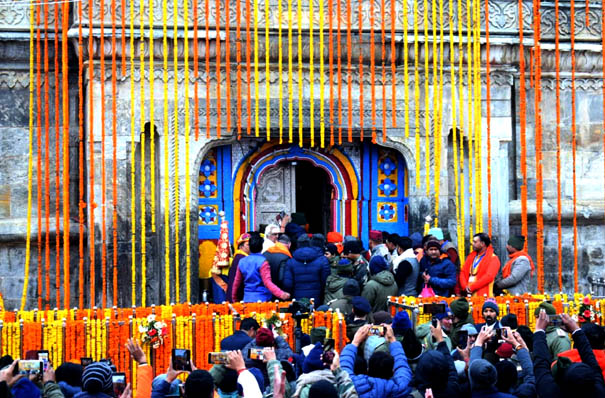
(556, 338)
(336, 281)
(460, 308)
(381, 284)
(345, 303)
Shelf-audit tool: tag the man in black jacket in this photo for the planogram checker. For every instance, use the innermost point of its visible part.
(579, 379)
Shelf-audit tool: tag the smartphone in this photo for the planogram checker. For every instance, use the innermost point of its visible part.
(217, 358)
(434, 308)
(29, 367)
(329, 345)
(498, 335)
(504, 332)
(462, 339)
(555, 320)
(119, 383)
(43, 356)
(85, 361)
(327, 357)
(256, 353)
(378, 331)
(181, 359)
(435, 322)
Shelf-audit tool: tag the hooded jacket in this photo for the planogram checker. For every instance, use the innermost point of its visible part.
(306, 274)
(436, 370)
(483, 377)
(574, 355)
(378, 289)
(397, 386)
(442, 273)
(339, 378)
(334, 286)
(545, 381)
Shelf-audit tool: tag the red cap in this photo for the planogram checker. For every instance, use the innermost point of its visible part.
(376, 236)
(505, 350)
(334, 237)
(264, 337)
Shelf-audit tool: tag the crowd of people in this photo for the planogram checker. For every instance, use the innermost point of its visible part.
(386, 356)
(287, 262)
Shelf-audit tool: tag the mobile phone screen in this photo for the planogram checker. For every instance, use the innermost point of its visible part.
(43, 356)
(29, 367)
(181, 359)
(462, 339)
(119, 383)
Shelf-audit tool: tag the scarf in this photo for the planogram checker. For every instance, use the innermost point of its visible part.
(279, 247)
(509, 264)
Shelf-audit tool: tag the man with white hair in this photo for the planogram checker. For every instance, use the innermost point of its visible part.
(271, 233)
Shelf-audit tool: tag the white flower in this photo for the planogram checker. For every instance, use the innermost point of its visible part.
(151, 318)
(142, 329)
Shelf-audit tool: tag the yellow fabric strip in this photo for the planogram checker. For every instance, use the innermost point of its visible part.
(416, 95)
(267, 72)
(187, 133)
(166, 158)
(151, 117)
(177, 218)
(256, 74)
(290, 76)
(311, 75)
(143, 170)
(132, 162)
(322, 126)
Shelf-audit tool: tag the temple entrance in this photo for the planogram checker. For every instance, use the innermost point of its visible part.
(295, 186)
(313, 196)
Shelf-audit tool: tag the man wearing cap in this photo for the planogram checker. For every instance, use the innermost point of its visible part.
(243, 249)
(462, 317)
(490, 313)
(353, 250)
(277, 256)
(335, 238)
(381, 284)
(518, 270)
(336, 281)
(345, 304)
(377, 247)
(359, 316)
(557, 339)
(481, 267)
(439, 273)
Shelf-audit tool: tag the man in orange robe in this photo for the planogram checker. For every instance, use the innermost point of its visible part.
(481, 267)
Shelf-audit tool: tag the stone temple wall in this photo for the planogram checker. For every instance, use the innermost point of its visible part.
(505, 126)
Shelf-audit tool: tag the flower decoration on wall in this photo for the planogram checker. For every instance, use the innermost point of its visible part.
(207, 188)
(153, 332)
(387, 212)
(388, 186)
(387, 166)
(207, 168)
(586, 312)
(208, 215)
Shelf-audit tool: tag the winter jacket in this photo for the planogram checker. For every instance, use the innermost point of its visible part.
(406, 273)
(4, 391)
(557, 341)
(273, 367)
(282, 353)
(442, 273)
(339, 378)
(277, 256)
(378, 289)
(254, 273)
(344, 305)
(397, 386)
(545, 381)
(334, 285)
(427, 370)
(237, 341)
(24, 388)
(68, 390)
(490, 392)
(423, 333)
(360, 270)
(457, 326)
(144, 380)
(306, 274)
(526, 387)
(232, 272)
(382, 250)
(53, 390)
(574, 355)
(518, 282)
(486, 272)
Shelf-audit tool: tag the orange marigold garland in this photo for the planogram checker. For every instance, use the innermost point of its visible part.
(58, 158)
(39, 189)
(114, 156)
(196, 73)
(218, 68)
(349, 74)
(603, 44)
(227, 64)
(331, 70)
(339, 71)
(372, 68)
(65, 94)
(489, 122)
(207, 48)
(103, 174)
(46, 161)
(91, 158)
(238, 60)
(81, 179)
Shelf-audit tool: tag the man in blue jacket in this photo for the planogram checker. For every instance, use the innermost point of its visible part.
(389, 375)
(439, 273)
(239, 339)
(307, 270)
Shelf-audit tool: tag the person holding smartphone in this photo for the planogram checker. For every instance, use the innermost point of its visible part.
(144, 370)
